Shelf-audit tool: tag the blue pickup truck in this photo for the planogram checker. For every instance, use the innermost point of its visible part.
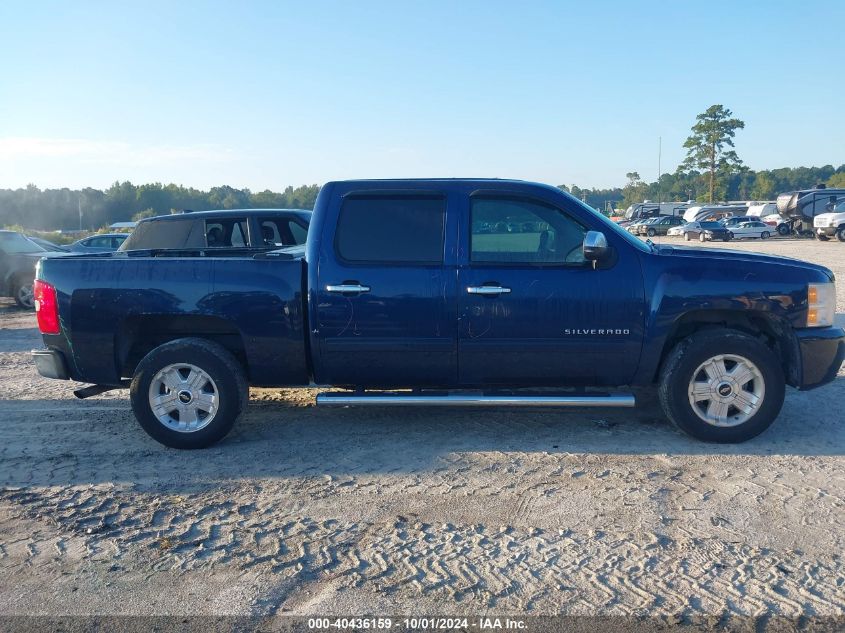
(443, 292)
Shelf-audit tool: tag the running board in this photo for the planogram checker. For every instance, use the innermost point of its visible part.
(335, 398)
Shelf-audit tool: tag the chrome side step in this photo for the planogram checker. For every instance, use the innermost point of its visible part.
(381, 398)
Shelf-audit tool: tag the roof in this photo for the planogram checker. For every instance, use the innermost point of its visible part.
(226, 213)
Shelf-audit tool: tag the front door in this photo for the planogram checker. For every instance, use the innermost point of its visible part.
(386, 306)
(533, 312)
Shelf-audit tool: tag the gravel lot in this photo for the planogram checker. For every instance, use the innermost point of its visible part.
(418, 511)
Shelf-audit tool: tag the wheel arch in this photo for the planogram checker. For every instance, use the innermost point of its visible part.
(775, 333)
(138, 335)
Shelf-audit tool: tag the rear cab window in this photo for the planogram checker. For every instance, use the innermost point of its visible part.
(281, 231)
(391, 228)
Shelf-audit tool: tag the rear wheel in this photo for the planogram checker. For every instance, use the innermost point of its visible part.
(651, 232)
(22, 292)
(764, 235)
(702, 237)
(188, 393)
(721, 386)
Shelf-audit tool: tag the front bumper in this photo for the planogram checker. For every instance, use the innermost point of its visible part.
(50, 363)
(822, 351)
(830, 231)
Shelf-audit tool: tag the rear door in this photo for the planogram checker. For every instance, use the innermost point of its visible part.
(532, 311)
(386, 307)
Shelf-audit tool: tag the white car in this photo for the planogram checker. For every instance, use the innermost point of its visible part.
(751, 229)
(676, 231)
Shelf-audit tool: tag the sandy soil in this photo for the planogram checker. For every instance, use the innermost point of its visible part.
(312, 511)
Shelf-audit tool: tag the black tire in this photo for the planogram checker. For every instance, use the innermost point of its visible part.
(214, 360)
(840, 234)
(702, 237)
(764, 235)
(651, 232)
(783, 229)
(822, 237)
(22, 293)
(727, 237)
(677, 374)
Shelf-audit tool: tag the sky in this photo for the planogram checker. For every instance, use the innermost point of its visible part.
(269, 94)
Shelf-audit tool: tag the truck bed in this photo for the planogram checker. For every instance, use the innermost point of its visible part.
(117, 307)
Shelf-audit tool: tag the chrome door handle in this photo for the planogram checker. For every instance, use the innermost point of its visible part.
(487, 290)
(347, 288)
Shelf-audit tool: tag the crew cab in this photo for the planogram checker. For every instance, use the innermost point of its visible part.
(419, 292)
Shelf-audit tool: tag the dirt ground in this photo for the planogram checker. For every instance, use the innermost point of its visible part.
(418, 511)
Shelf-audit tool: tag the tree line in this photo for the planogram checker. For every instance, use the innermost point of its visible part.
(711, 171)
(89, 208)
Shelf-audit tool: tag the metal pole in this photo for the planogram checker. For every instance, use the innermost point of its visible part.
(659, 156)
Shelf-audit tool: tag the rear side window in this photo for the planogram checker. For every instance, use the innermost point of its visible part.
(226, 233)
(384, 228)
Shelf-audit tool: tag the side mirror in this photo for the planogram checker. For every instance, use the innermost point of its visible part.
(595, 246)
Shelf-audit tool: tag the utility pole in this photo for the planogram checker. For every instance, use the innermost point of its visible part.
(659, 156)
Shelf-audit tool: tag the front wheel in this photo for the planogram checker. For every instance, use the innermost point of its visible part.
(651, 232)
(721, 386)
(687, 237)
(840, 234)
(23, 294)
(188, 393)
(702, 237)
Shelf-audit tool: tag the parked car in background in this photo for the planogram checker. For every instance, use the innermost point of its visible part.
(833, 223)
(18, 258)
(751, 229)
(736, 220)
(634, 227)
(103, 243)
(677, 231)
(233, 228)
(660, 226)
(48, 245)
(703, 231)
(713, 231)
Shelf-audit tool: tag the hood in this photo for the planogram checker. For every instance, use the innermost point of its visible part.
(738, 257)
(833, 215)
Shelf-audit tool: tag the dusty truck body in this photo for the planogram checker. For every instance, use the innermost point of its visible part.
(446, 293)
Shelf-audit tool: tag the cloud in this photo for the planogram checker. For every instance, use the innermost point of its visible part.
(110, 152)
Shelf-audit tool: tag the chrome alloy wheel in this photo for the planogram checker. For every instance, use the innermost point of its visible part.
(726, 390)
(183, 398)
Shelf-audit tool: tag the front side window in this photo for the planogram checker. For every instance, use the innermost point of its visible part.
(387, 228)
(519, 231)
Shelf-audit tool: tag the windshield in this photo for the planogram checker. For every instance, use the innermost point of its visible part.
(17, 243)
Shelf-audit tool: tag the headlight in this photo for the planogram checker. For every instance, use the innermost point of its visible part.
(821, 304)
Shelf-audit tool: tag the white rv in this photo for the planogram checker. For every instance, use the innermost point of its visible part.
(649, 209)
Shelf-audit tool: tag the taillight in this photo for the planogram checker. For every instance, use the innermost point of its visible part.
(46, 307)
